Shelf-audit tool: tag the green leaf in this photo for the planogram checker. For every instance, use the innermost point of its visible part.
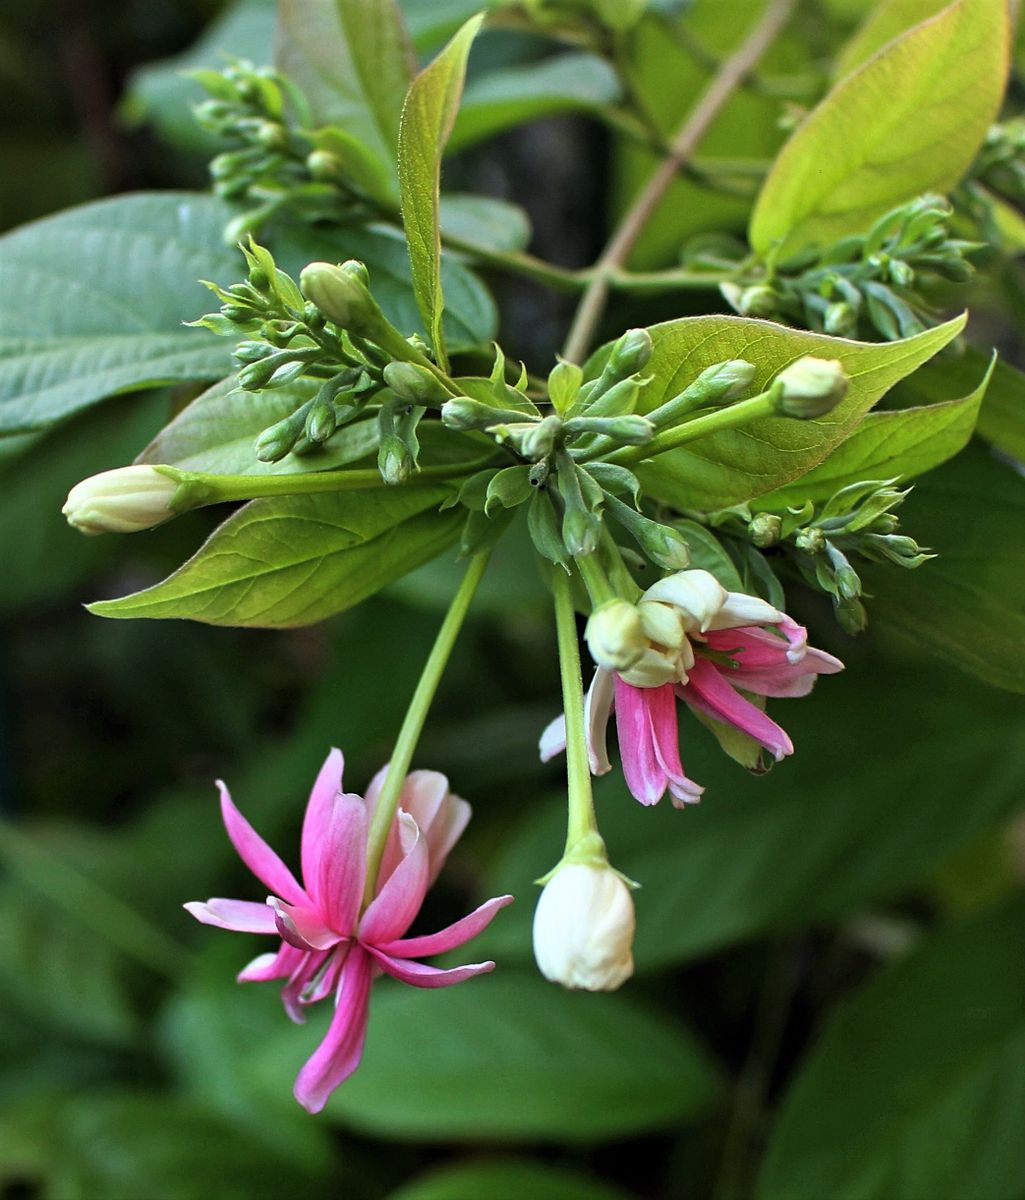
(502, 99)
(215, 434)
(736, 465)
(968, 606)
(914, 1088)
(864, 789)
(427, 118)
(857, 154)
(512, 1177)
(161, 94)
(886, 445)
(485, 221)
(92, 303)
(470, 316)
(351, 60)
(885, 21)
(294, 560)
(707, 553)
(560, 1067)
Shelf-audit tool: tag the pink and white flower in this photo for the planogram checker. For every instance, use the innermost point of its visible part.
(331, 945)
(707, 647)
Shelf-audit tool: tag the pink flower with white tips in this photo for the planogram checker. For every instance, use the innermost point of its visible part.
(331, 946)
(706, 646)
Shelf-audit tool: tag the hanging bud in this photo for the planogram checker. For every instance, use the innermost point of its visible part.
(416, 384)
(125, 500)
(851, 615)
(394, 460)
(811, 541)
(537, 439)
(581, 530)
(840, 319)
(764, 530)
(321, 422)
(614, 635)
(811, 387)
(278, 440)
(584, 928)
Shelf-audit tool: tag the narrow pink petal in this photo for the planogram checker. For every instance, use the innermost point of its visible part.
(448, 938)
(301, 927)
(751, 646)
(325, 789)
(666, 741)
(338, 861)
(423, 976)
(644, 776)
(294, 993)
(266, 967)
(446, 829)
(597, 709)
(553, 739)
(256, 854)
(440, 816)
(396, 904)
(709, 691)
(796, 635)
(339, 1054)
(243, 916)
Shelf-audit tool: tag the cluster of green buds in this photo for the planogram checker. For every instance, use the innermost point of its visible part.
(585, 22)
(859, 520)
(870, 285)
(1000, 164)
(327, 340)
(276, 160)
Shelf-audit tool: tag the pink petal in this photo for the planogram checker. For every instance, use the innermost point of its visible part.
(645, 776)
(440, 816)
(396, 904)
(256, 854)
(243, 916)
(709, 691)
(339, 1054)
(423, 976)
(445, 830)
(751, 646)
(294, 994)
(666, 741)
(301, 927)
(553, 739)
(448, 938)
(327, 786)
(266, 967)
(338, 861)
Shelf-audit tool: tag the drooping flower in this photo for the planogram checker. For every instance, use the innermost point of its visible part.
(707, 647)
(584, 928)
(331, 946)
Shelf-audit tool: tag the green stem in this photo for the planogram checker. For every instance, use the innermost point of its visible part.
(581, 822)
(763, 405)
(681, 151)
(90, 904)
(416, 715)
(644, 283)
(563, 279)
(595, 580)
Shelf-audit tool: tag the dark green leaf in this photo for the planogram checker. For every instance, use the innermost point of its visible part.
(485, 221)
(506, 1177)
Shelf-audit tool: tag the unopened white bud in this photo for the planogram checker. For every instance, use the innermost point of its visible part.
(614, 635)
(584, 928)
(811, 387)
(124, 500)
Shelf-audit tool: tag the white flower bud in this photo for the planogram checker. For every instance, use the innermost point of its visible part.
(811, 387)
(584, 928)
(614, 635)
(124, 500)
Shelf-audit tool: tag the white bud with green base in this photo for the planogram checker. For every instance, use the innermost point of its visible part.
(614, 635)
(811, 387)
(125, 500)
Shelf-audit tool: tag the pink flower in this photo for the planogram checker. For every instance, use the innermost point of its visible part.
(331, 945)
(707, 647)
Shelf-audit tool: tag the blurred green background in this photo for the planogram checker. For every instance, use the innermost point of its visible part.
(830, 998)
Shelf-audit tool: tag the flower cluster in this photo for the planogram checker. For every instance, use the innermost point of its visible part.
(332, 943)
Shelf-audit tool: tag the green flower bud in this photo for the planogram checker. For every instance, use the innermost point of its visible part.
(840, 319)
(538, 440)
(764, 529)
(463, 413)
(615, 636)
(631, 352)
(811, 541)
(625, 431)
(580, 531)
(321, 422)
(323, 166)
(251, 352)
(851, 615)
(394, 460)
(811, 387)
(340, 294)
(757, 301)
(416, 384)
(124, 500)
(277, 440)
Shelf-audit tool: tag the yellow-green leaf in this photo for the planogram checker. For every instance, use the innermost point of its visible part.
(885, 21)
(910, 120)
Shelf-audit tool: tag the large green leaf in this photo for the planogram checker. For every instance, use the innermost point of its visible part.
(909, 121)
(351, 61)
(885, 21)
(92, 303)
(501, 99)
(427, 119)
(216, 434)
(470, 316)
(864, 789)
(560, 1067)
(506, 1177)
(967, 607)
(887, 445)
(915, 1088)
(737, 465)
(294, 560)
